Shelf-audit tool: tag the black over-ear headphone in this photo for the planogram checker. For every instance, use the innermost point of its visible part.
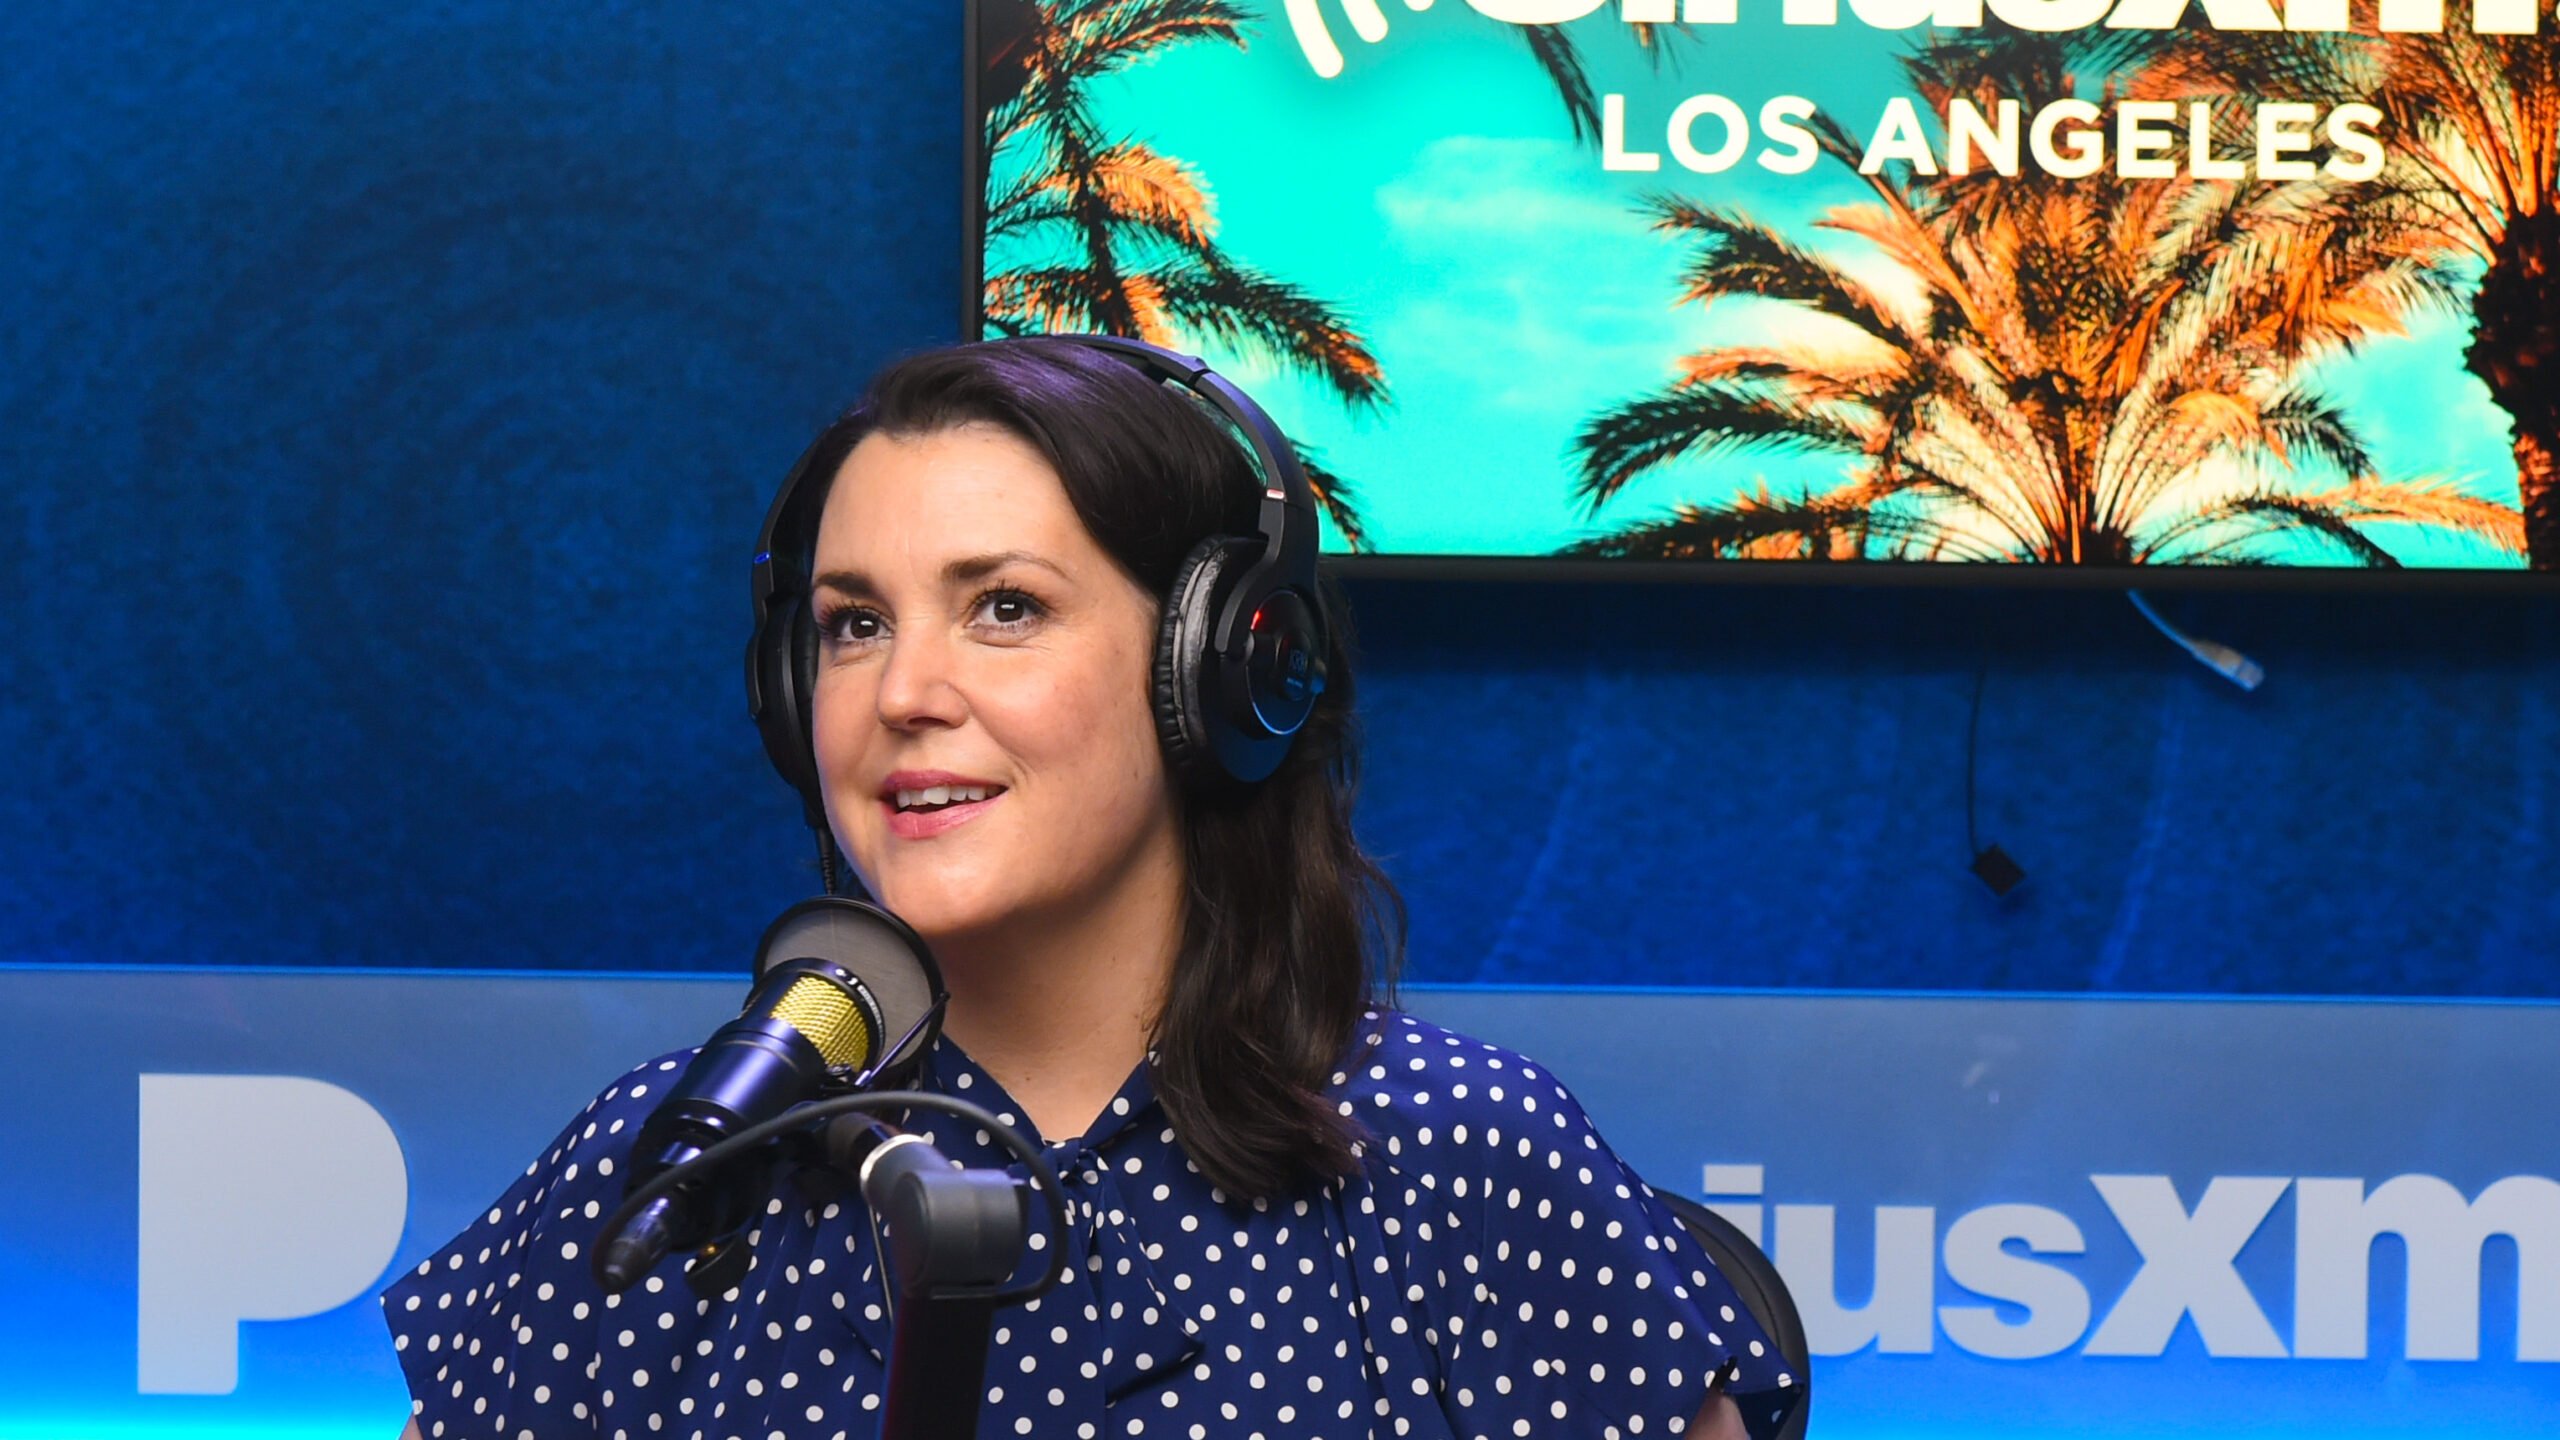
(1240, 650)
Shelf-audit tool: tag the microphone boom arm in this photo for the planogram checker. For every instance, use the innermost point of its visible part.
(955, 1236)
(1044, 1181)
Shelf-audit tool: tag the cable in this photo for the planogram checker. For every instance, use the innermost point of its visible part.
(1972, 742)
(2221, 659)
(1043, 1179)
(1991, 864)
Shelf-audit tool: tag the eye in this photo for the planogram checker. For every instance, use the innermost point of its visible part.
(842, 624)
(1008, 610)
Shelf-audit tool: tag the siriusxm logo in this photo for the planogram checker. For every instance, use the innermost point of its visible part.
(1369, 19)
(2188, 1268)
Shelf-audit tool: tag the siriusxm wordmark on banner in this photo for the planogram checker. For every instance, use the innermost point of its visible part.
(1998, 1253)
(2000, 1218)
(2069, 138)
(2488, 17)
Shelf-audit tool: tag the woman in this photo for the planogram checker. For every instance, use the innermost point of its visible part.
(1295, 1212)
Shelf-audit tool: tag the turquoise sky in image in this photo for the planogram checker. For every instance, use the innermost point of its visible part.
(1434, 194)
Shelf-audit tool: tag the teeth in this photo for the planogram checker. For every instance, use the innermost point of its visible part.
(941, 795)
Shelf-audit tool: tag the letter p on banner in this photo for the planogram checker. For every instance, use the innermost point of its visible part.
(264, 1197)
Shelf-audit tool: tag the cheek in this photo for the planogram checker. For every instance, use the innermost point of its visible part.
(1136, 764)
(1090, 733)
(840, 733)
(1093, 727)
(832, 706)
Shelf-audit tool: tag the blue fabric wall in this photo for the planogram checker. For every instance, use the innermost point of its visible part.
(389, 396)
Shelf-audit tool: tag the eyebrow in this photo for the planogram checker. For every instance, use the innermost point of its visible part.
(959, 571)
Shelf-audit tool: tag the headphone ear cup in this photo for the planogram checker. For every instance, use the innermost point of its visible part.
(1185, 639)
(787, 662)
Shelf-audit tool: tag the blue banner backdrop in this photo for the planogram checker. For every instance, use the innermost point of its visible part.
(2003, 1218)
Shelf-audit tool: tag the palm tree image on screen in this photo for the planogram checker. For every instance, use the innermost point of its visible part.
(1086, 229)
(2105, 370)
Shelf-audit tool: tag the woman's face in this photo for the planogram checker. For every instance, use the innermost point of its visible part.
(981, 709)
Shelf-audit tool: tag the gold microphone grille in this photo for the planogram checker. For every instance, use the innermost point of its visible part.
(822, 1012)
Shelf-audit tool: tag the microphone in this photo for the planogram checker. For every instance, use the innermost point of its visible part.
(845, 994)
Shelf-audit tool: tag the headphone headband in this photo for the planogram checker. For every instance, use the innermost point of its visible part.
(1286, 517)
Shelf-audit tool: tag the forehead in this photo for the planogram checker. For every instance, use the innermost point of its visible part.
(968, 489)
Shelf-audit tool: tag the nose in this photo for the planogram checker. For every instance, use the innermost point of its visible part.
(917, 684)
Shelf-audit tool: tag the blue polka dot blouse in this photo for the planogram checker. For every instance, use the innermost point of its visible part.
(1490, 1270)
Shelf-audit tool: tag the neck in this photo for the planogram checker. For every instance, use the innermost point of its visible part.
(1060, 1010)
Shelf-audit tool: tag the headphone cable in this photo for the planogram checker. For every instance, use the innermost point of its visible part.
(827, 861)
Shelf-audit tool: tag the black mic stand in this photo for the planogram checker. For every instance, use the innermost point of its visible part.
(954, 1237)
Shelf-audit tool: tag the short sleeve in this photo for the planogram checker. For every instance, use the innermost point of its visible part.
(1561, 1296)
(497, 1332)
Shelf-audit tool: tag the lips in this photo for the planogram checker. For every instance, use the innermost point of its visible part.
(920, 804)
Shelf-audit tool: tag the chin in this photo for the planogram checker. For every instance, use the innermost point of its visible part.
(941, 907)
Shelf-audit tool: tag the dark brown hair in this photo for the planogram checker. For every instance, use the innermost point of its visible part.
(1290, 930)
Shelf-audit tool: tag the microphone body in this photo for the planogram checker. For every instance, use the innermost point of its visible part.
(749, 1071)
(814, 1022)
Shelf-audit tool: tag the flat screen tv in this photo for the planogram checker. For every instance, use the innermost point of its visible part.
(2115, 289)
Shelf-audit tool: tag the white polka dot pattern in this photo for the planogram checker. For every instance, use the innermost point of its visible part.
(1490, 1270)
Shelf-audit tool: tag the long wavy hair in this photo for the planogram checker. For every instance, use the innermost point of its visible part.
(1290, 930)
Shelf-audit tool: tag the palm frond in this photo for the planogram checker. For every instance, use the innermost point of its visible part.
(1244, 307)
(2302, 422)
(1737, 255)
(1701, 421)
(1131, 185)
(1334, 493)
(1562, 62)
(2436, 505)
(1110, 34)
(1036, 300)
(2267, 512)
(1847, 524)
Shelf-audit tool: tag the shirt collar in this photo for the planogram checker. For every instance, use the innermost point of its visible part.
(949, 1070)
